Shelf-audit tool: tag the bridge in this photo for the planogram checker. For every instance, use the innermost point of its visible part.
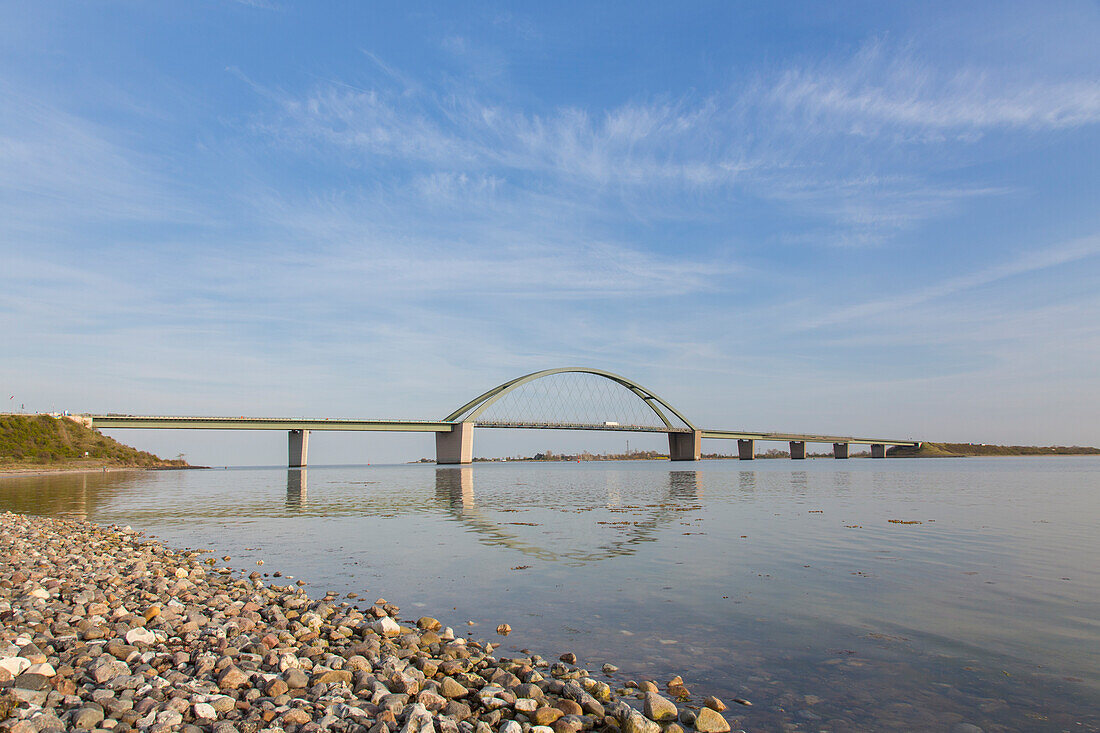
(570, 398)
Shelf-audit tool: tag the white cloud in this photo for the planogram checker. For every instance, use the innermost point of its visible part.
(1031, 261)
(881, 88)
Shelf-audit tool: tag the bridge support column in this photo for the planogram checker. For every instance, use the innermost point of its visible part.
(878, 450)
(746, 449)
(685, 446)
(798, 450)
(840, 450)
(456, 446)
(298, 444)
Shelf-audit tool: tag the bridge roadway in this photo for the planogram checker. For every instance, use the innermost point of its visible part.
(454, 438)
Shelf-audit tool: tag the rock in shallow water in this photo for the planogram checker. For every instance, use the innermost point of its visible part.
(709, 721)
(659, 708)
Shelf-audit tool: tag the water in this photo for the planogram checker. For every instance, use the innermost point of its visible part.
(782, 583)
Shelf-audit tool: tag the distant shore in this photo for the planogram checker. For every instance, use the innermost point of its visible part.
(50, 469)
(927, 449)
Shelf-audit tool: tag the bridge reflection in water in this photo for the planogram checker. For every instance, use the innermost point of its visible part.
(296, 488)
(454, 490)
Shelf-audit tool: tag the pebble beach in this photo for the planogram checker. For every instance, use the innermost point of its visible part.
(103, 628)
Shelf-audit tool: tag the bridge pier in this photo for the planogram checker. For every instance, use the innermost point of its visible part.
(685, 446)
(878, 450)
(455, 446)
(798, 450)
(840, 450)
(298, 444)
(746, 449)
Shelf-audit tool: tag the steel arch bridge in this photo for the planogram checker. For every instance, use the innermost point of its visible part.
(603, 400)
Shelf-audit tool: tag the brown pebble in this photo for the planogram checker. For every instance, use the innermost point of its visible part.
(568, 707)
(546, 715)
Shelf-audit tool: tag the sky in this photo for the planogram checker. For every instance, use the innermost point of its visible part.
(860, 218)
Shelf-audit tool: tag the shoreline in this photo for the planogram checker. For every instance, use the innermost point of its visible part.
(104, 628)
(48, 470)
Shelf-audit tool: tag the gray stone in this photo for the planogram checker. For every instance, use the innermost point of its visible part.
(638, 723)
(295, 678)
(87, 717)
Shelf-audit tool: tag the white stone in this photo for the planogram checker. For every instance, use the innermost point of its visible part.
(526, 705)
(140, 636)
(40, 593)
(510, 726)
(15, 665)
(386, 626)
(45, 669)
(205, 711)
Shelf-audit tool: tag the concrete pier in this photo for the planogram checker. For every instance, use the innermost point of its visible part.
(798, 450)
(455, 446)
(840, 450)
(298, 445)
(685, 446)
(746, 449)
(878, 450)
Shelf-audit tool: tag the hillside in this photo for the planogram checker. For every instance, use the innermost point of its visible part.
(31, 441)
(946, 450)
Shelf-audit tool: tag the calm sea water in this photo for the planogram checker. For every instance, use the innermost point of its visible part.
(833, 595)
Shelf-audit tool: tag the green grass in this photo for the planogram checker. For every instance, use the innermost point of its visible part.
(40, 440)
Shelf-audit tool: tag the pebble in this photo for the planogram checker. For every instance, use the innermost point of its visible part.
(104, 629)
(710, 721)
(659, 708)
(638, 723)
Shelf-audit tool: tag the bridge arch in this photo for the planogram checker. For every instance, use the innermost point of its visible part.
(473, 409)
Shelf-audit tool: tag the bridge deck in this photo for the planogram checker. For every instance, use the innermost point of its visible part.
(803, 437)
(440, 426)
(266, 423)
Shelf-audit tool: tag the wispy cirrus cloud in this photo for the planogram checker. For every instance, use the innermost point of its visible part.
(1027, 262)
(881, 88)
(762, 138)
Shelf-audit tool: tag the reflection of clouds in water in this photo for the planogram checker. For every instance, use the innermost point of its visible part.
(454, 488)
(296, 487)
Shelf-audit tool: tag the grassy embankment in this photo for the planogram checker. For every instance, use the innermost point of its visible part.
(949, 450)
(30, 442)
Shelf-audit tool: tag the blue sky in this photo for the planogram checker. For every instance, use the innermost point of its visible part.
(855, 217)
